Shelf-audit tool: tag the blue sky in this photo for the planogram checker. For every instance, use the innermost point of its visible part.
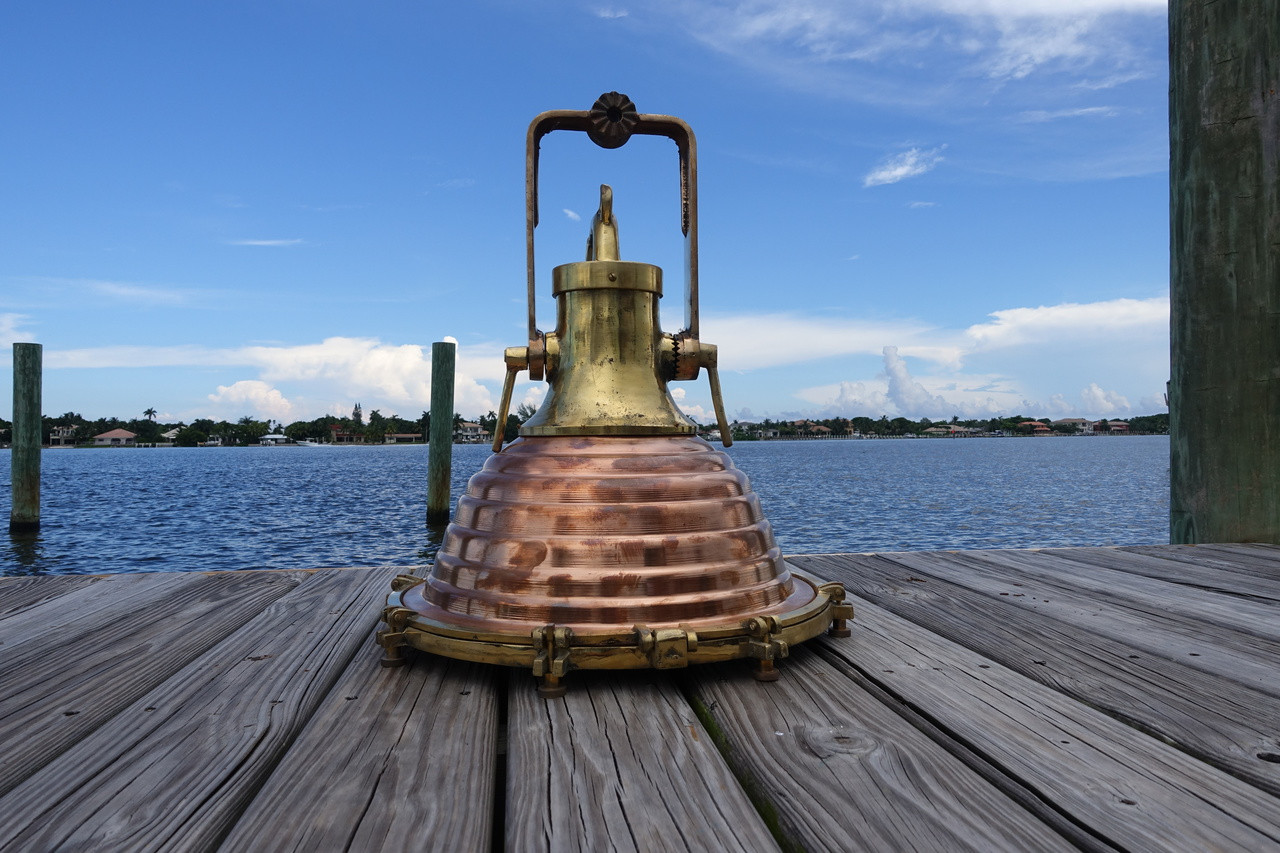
(908, 207)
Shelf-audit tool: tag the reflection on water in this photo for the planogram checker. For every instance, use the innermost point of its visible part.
(188, 509)
(24, 550)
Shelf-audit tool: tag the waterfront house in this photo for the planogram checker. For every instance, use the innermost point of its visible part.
(344, 436)
(275, 440)
(402, 438)
(115, 438)
(471, 433)
(1035, 427)
(62, 436)
(1078, 424)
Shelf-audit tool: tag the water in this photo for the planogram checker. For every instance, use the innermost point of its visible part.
(203, 509)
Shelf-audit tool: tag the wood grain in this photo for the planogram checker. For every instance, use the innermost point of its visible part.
(174, 769)
(21, 592)
(393, 759)
(1130, 789)
(1219, 721)
(105, 660)
(1206, 573)
(846, 773)
(620, 763)
(1150, 627)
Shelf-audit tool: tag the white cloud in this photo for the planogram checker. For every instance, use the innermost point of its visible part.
(251, 397)
(11, 328)
(288, 242)
(906, 164)
(393, 377)
(1018, 326)
(939, 51)
(809, 338)
(572, 215)
(137, 293)
(918, 205)
(611, 14)
(1033, 116)
(1102, 402)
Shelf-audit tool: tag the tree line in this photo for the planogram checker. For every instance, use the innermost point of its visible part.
(1142, 425)
(375, 427)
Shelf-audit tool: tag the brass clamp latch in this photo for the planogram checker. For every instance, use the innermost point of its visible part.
(551, 658)
(666, 648)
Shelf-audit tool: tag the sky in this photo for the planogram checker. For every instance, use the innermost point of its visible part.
(919, 208)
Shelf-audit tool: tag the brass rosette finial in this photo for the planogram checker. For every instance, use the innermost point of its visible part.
(613, 118)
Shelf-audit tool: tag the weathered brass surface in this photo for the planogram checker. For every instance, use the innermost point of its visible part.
(609, 536)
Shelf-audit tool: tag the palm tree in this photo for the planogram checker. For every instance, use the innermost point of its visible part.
(150, 414)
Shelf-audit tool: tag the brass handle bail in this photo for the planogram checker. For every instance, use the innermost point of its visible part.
(610, 123)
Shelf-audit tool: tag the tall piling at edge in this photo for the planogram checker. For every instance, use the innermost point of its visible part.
(27, 423)
(1224, 180)
(440, 452)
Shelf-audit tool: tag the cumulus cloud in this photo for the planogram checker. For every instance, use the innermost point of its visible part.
(393, 377)
(1102, 402)
(906, 164)
(255, 396)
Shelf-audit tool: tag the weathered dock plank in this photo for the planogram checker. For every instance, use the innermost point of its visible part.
(1214, 609)
(20, 592)
(620, 763)
(1126, 787)
(843, 772)
(393, 759)
(1227, 653)
(1218, 720)
(1256, 560)
(1223, 577)
(174, 770)
(86, 664)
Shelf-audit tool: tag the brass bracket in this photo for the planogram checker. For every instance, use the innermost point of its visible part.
(666, 648)
(763, 645)
(395, 637)
(551, 661)
(841, 612)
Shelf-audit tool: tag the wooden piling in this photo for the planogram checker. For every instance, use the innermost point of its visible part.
(1224, 175)
(440, 452)
(25, 458)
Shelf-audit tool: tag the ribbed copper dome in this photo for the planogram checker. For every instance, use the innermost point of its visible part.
(602, 532)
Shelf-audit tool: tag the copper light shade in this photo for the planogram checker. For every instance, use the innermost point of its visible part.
(609, 535)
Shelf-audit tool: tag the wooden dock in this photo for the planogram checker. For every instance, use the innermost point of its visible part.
(1096, 698)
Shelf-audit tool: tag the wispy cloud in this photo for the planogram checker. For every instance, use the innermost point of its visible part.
(296, 241)
(1035, 116)
(924, 51)
(917, 205)
(903, 165)
(611, 14)
(1019, 326)
(11, 328)
(573, 215)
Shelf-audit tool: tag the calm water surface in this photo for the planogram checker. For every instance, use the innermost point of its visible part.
(200, 509)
